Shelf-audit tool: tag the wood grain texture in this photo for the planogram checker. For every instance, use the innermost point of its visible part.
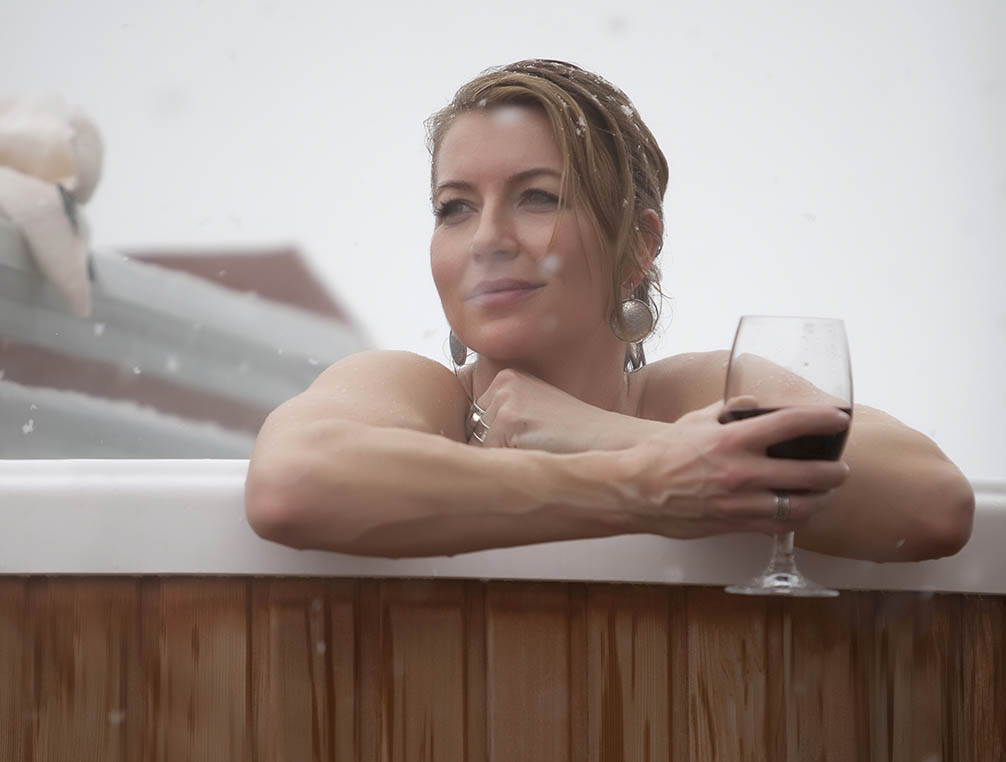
(728, 665)
(390, 670)
(83, 669)
(828, 726)
(984, 668)
(303, 654)
(199, 680)
(628, 667)
(423, 663)
(528, 686)
(17, 689)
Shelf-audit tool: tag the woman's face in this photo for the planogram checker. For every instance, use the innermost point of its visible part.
(516, 275)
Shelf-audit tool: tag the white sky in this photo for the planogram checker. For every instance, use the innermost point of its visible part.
(842, 159)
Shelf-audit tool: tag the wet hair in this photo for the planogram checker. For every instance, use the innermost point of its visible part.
(612, 164)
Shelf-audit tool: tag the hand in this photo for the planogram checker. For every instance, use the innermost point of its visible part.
(702, 477)
(524, 412)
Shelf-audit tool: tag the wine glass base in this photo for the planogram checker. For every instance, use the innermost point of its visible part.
(782, 583)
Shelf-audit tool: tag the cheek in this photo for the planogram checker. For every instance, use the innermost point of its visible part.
(445, 269)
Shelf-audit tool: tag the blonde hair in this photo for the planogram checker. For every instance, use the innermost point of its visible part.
(611, 161)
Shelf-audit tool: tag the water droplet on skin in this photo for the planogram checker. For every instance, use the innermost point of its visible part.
(899, 543)
(29, 427)
(550, 264)
(99, 329)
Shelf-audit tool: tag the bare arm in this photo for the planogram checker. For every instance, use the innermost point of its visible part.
(372, 460)
(904, 500)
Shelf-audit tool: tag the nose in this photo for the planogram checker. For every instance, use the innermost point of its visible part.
(495, 236)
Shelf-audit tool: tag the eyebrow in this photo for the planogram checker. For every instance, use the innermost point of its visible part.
(514, 179)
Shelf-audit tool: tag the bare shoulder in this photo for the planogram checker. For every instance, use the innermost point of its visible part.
(679, 384)
(387, 388)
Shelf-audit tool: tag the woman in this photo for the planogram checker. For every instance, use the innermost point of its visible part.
(547, 190)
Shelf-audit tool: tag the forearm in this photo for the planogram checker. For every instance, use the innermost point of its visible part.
(370, 490)
(903, 500)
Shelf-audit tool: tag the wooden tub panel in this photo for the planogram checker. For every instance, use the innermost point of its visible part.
(260, 669)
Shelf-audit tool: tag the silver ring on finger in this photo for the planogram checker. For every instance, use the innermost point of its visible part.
(781, 506)
(477, 422)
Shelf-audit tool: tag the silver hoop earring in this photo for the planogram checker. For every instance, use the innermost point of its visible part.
(632, 321)
(459, 352)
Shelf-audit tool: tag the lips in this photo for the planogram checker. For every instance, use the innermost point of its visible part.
(503, 286)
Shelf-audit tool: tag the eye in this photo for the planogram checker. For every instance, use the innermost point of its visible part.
(450, 210)
(538, 198)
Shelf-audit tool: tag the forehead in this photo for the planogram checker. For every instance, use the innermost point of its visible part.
(501, 139)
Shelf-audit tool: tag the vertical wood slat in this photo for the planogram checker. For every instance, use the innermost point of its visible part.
(154, 669)
(823, 689)
(424, 659)
(202, 665)
(368, 671)
(476, 743)
(421, 674)
(628, 667)
(984, 667)
(728, 664)
(528, 684)
(17, 694)
(936, 660)
(677, 674)
(83, 669)
(303, 656)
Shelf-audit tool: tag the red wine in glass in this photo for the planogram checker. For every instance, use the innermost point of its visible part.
(810, 447)
(782, 362)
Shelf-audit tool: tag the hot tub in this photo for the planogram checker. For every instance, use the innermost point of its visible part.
(140, 617)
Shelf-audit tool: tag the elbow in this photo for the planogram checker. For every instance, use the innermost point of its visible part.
(284, 505)
(947, 528)
(271, 509)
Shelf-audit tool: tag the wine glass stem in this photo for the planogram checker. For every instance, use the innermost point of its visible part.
(782, 555)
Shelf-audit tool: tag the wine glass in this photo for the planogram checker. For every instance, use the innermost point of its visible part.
(781, 362)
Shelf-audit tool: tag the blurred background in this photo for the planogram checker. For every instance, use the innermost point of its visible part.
(836, 159)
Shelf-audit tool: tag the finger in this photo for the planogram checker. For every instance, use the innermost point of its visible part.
(791, 422)
(741, 402)
(741, 512)
(801, 475)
